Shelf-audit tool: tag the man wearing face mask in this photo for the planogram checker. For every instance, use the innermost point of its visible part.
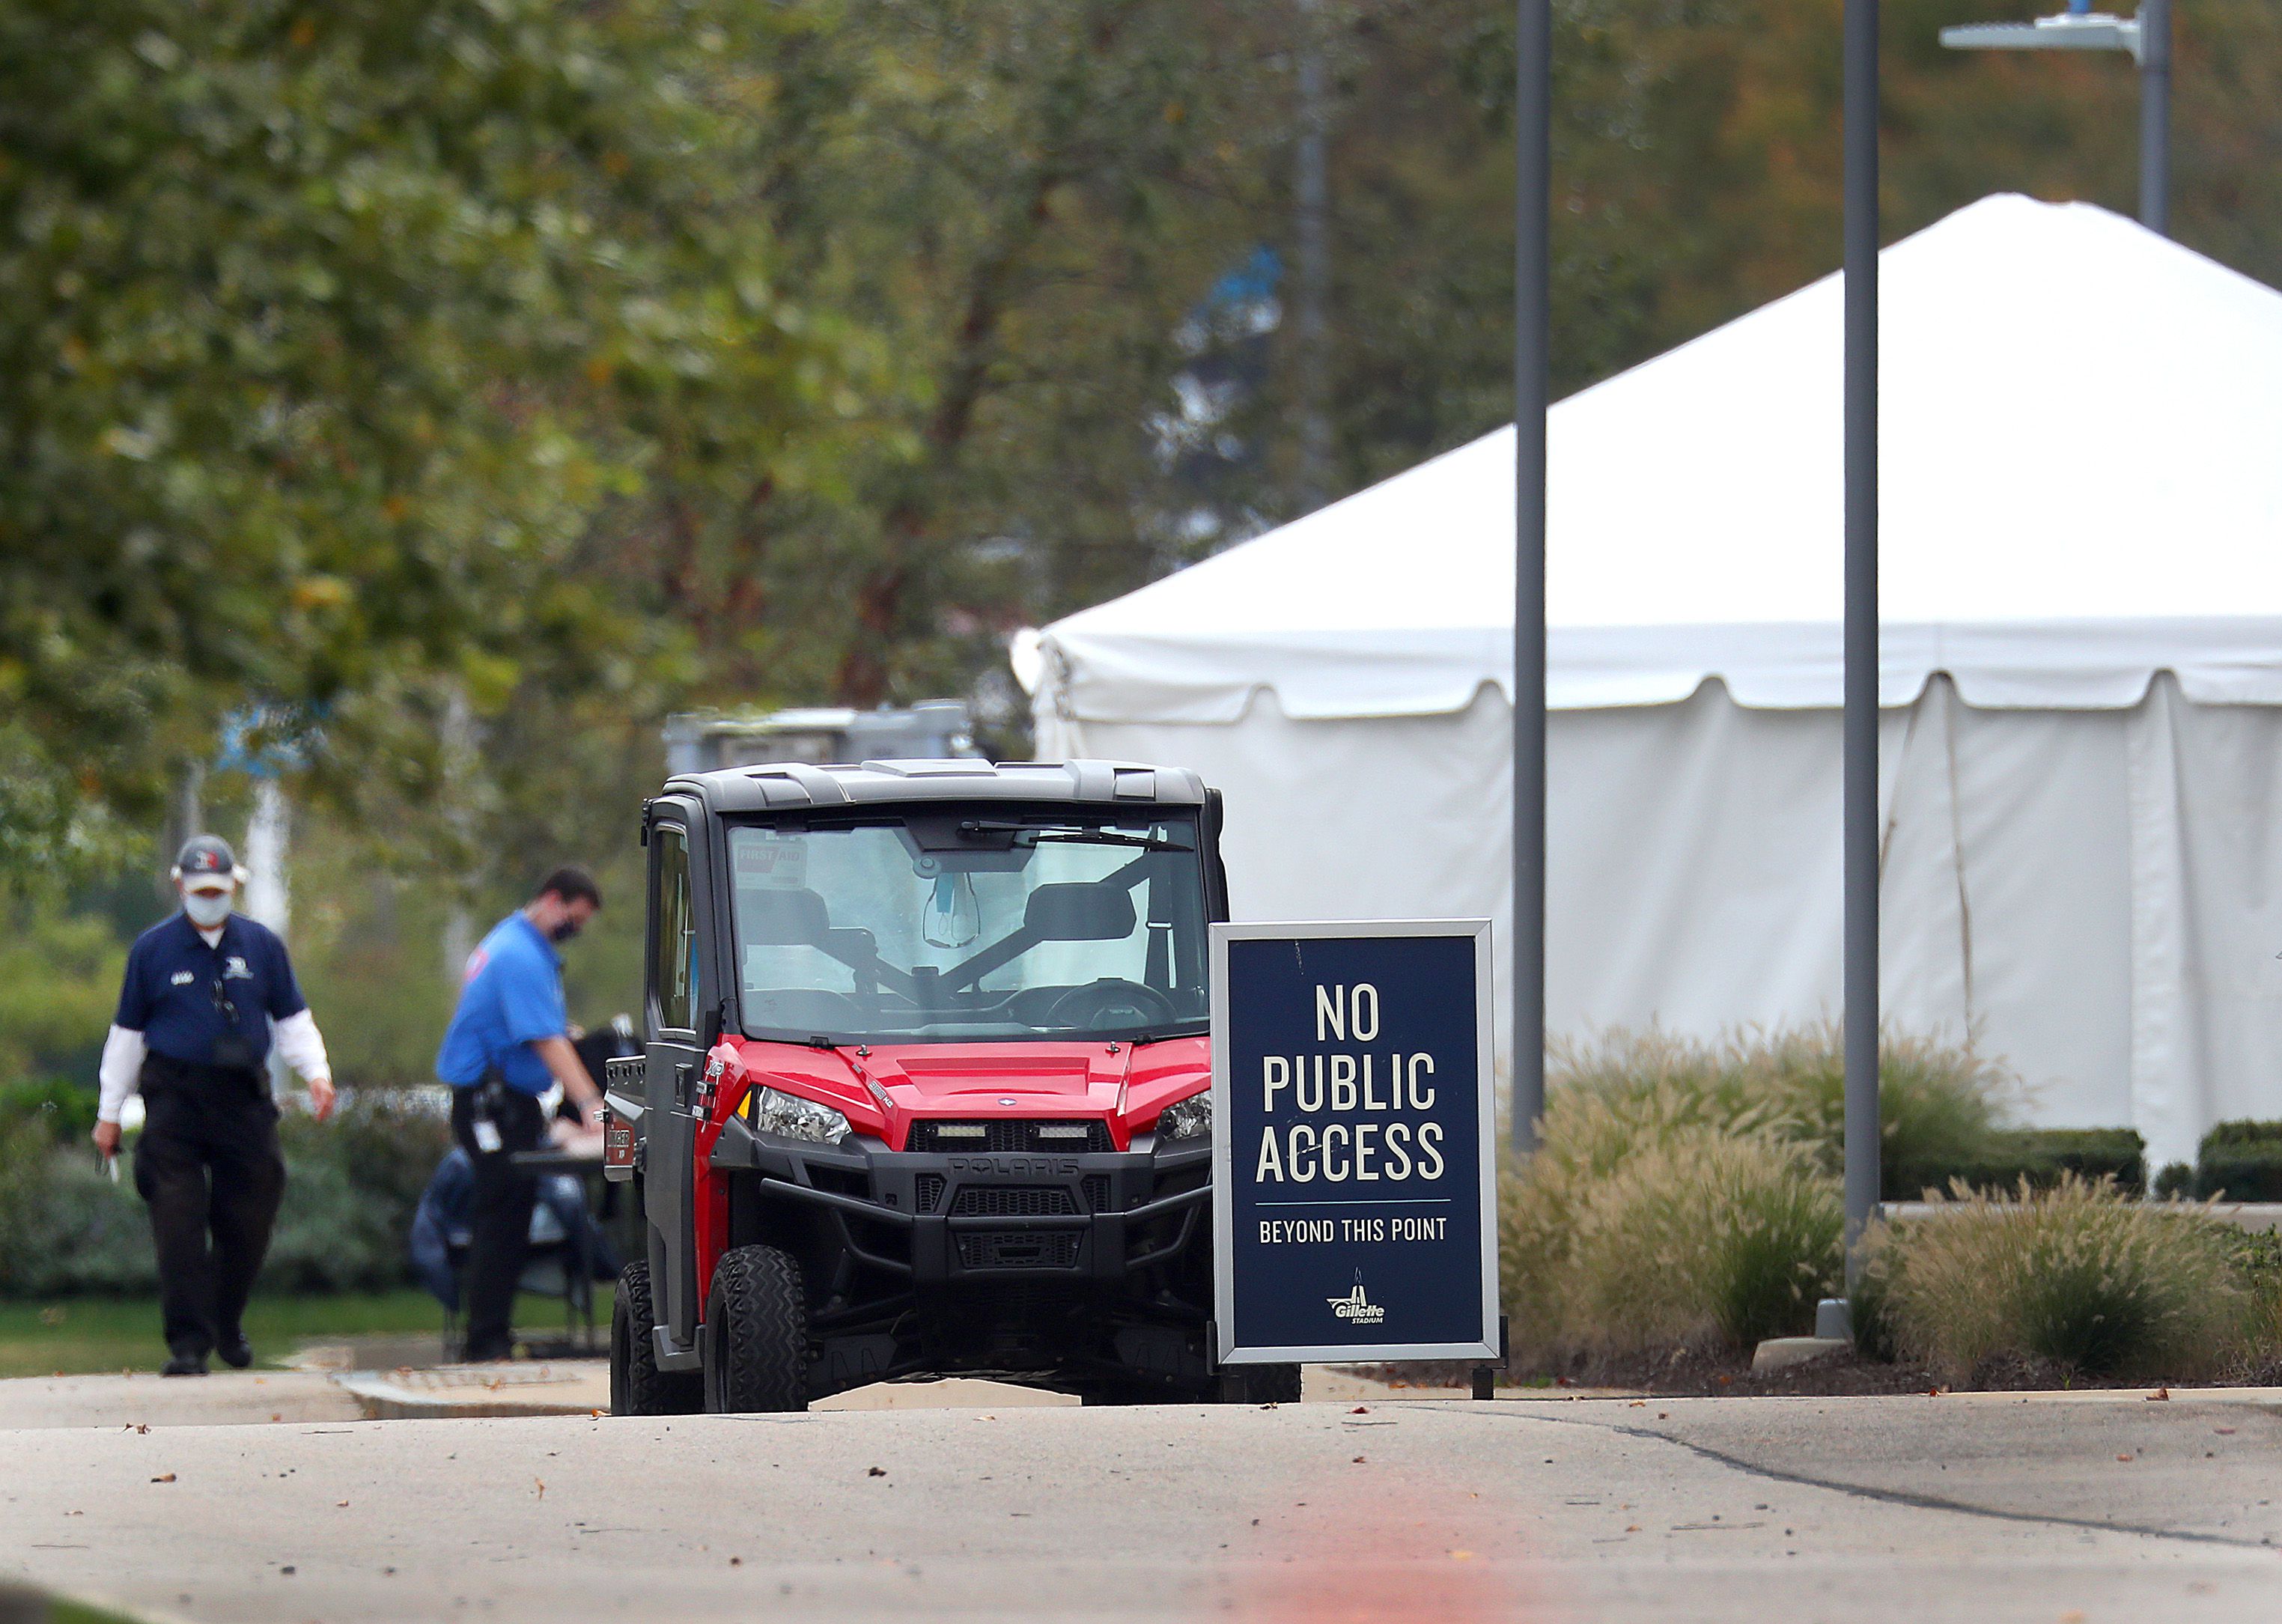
(508, 1039)
(205, 992)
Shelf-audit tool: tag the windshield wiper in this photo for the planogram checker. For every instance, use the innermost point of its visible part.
(1026, 834)
(1166, 1034)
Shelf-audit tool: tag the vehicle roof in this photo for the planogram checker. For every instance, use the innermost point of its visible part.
(792, 785)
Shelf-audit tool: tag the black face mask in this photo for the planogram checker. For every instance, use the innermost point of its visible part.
(564, 932)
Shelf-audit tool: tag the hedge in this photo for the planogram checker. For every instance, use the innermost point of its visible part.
(351, 1186)
(2240, 1161)
(2042, 1156)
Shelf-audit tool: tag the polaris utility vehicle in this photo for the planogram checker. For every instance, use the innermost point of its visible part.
(926, 1086)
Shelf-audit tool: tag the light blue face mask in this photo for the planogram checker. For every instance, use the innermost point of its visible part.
(207, 909)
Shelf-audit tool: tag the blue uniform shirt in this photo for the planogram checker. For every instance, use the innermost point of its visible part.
(511, 998)
(182, 994)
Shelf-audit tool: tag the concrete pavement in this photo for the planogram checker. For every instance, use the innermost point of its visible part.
(2064, 1510)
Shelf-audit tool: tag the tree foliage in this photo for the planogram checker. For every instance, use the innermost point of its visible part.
(329, 331)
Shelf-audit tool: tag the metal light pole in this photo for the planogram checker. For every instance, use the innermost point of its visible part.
(2147, 36)
(1532, 330)
(1861, 774)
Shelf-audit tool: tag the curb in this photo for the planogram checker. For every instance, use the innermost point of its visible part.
(578, 1387)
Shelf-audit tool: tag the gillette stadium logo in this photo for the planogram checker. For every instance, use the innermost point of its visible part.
(1356, 1307)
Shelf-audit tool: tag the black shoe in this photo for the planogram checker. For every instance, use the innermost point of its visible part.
(236, 1351)
(184, 1365)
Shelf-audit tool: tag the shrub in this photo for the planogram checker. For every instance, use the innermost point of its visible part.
(2240, 1161)
(64, 1111)
(2075, 1274)
(87, 1235)
(2178, 1179)
(351, 1186)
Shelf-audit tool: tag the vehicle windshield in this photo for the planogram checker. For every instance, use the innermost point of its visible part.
(978, 922)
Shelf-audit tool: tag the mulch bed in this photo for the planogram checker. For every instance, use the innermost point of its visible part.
(1711, 1373)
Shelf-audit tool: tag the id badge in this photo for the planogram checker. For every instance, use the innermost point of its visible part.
(487, 1135)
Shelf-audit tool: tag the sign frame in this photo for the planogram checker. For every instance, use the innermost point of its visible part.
(1227, 1351)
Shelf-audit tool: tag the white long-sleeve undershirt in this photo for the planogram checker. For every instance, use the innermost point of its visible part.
(303, 1046)
(298, 1039)
(121, 1072)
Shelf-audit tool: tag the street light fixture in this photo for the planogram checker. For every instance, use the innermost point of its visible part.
(2147, 36)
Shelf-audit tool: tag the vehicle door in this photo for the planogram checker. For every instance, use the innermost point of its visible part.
(672, 1059)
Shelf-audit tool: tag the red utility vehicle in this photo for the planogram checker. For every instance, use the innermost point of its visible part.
(924, 1090)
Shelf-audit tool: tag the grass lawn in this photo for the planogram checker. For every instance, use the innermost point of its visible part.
(117, 1334)
(79, 1612)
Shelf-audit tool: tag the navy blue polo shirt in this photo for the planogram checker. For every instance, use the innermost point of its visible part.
(182, 994)
(512, 998)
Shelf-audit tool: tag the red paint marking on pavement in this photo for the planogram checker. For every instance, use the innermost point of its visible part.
(1381, 1547)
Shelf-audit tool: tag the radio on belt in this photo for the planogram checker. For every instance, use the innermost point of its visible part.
(1354, 1177)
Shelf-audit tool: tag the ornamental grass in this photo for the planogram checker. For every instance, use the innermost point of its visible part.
(1645, 1223)
(2078, 1276)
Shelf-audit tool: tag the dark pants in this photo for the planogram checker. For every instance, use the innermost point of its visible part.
(207, 1164)
(500, 1211)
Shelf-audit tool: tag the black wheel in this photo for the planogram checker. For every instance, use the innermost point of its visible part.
(1260, 1384)
(638, 1387)
(756, 1334)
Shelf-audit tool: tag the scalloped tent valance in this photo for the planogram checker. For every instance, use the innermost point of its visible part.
(2082, 446)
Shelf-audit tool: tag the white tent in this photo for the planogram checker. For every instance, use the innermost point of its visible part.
(2081, 662)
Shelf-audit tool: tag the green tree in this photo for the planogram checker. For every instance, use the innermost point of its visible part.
(330, 332)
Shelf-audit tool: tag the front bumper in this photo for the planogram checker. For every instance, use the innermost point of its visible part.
(940, 1218)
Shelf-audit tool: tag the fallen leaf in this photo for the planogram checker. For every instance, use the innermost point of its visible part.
(877, 1471)
(598, 1414)
(1360, 1410)
(1632, 1528)
(2122, 1457)
(542, 1486)
(1358, 1460)
(2222, 1431)
(2158, 1395)
(164, 1477)
(1461, 1555)
(2074, 1615)
(288, 1568)
(736, 1561)
(276, 1418)
(340, 1502)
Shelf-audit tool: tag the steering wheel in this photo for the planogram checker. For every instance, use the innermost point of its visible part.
(1104, 1002)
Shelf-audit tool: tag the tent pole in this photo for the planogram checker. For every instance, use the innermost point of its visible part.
(1860, 980)
(1532, 327)
(2155, 115)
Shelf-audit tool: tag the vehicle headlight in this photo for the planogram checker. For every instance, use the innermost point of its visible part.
(774, 1111)
(1186, 1119)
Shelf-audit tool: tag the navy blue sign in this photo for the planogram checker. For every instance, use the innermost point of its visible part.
(1352, 1195)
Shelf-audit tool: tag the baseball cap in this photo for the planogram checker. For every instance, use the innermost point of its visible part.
(207, 859)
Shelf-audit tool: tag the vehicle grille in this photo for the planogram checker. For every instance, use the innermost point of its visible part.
(1014, 1202)
(1018, 1249)
(1004, 1134)
(1097, 1193)
(930, 1191)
